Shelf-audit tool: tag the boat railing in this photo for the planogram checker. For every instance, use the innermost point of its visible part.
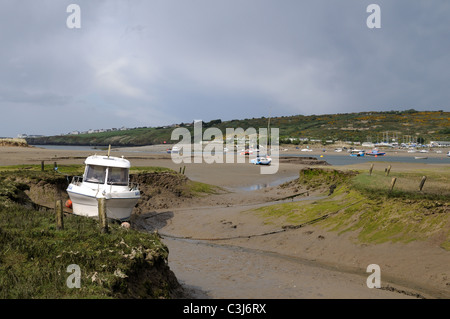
(134, 186)
(77, 180)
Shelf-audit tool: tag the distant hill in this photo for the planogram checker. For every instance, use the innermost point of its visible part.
(410, 125)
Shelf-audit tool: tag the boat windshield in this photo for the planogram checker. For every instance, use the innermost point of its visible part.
(118, 176)
(95, 174)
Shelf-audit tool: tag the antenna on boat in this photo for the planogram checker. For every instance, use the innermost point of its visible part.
(109, 150)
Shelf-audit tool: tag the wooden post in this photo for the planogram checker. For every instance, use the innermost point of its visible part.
(370, 170)
(102, 215)
(42, 166)
(59, 215)
(184, 168)
(388, 170)
(393, 183)
(422, 182)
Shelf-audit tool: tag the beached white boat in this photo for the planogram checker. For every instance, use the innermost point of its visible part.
(104, 177)
(261, 160)
(174, 150)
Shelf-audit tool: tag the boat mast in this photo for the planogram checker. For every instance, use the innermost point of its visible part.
(268, 136)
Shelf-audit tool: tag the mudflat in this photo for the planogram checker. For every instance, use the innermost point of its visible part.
(219, 248)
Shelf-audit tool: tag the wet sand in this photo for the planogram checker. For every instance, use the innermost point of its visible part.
(220, 250)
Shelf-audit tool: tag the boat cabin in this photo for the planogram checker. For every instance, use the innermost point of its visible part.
(107, 170)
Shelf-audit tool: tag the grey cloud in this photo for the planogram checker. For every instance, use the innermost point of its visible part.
(137, 63)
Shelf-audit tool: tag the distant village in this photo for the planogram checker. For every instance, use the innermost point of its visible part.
(91, 131)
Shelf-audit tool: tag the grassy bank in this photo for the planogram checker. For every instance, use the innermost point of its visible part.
(364, 204)
(35, 256)
(74, 169)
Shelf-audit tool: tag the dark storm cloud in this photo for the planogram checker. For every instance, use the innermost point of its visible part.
(138, 63)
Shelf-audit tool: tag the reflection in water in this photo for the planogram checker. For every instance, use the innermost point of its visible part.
(258, 186)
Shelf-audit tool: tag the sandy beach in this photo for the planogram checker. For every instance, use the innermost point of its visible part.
(220, 249)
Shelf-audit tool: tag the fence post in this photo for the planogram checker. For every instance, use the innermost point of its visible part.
(184, 168)
(59, 215)
(370, 170)
(393, 183)
(42, 166)
(388, 170)
(102, 215)
(422, 182)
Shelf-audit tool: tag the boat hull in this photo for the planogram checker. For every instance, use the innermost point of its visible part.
(118, 206)
(375, 154)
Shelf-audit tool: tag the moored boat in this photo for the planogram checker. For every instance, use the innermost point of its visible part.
(247, 152)
(174, 150)
(357, 153)
(261, 160)
(104, 177)
(375, 152)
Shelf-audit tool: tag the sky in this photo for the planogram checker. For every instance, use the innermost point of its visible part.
(139, 63)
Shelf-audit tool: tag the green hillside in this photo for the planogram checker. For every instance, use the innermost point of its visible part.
(406, 126)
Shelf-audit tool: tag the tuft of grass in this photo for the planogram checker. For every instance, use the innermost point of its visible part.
(49, 169)
(150, 169)
(314, 178)
(377, 185)
(76, 169)
(200, 189)
(13, 142)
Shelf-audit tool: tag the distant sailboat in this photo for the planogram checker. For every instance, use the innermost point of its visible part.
(264, 159)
